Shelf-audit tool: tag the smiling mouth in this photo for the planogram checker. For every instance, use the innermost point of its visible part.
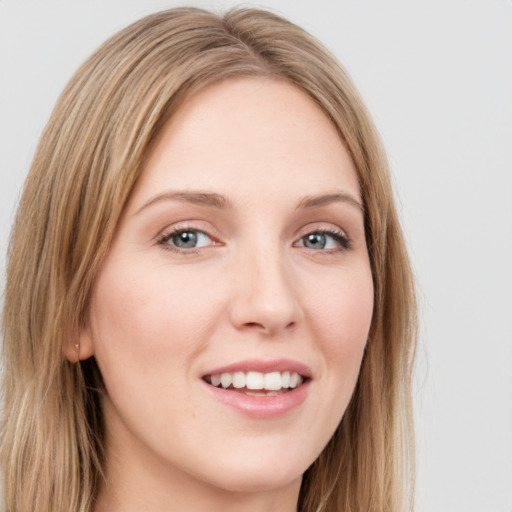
(257, 383)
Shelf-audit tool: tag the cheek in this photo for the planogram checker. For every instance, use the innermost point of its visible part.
(146, 323)
(347, 304)
(342, 322)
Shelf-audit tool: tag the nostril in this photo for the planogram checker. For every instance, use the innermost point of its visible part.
(268, 328)
(254, 325)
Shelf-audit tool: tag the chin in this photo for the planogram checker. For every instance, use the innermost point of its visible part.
(259, 482)
(255, 476)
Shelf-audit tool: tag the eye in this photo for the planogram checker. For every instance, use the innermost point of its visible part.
(326, 240)
(186, 239)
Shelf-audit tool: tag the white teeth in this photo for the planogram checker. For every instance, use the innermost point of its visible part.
(272, 381)
(274, 393)
(294, 380)
(254, 380)
(225, 380)
(239, 380)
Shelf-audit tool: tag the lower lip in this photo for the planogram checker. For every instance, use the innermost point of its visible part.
(261, 407)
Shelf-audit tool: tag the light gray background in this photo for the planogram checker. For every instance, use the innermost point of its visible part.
(437, 76)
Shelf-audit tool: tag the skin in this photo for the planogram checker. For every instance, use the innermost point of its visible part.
(253, 288)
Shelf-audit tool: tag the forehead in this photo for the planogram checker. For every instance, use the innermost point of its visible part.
(249, 135)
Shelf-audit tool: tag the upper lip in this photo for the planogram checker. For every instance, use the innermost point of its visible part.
(263, 366)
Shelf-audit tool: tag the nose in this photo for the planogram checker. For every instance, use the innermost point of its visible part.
(265, 297)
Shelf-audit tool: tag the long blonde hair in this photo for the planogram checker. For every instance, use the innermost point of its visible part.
(87, 162)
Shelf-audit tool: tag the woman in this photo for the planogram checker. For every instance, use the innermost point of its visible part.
(209, 304)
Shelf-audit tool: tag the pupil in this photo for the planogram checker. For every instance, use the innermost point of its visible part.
(187, 239)
(315, 241)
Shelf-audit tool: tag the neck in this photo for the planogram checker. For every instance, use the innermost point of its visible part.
(174, 500)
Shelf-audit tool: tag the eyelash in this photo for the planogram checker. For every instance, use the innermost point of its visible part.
(345, 243)
(339, 236)
(166, 236)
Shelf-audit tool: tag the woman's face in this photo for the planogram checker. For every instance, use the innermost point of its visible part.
(240, 258)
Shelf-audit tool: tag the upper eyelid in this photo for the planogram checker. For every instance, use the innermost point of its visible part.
(340, 235)
(322, 227)
(184, 225)
(166, 234)
(192, 225)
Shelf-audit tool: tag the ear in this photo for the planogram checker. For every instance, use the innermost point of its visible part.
(79, 346)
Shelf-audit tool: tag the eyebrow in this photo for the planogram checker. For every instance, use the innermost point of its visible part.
(317, 201)
(214, 200)
(210, 199)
